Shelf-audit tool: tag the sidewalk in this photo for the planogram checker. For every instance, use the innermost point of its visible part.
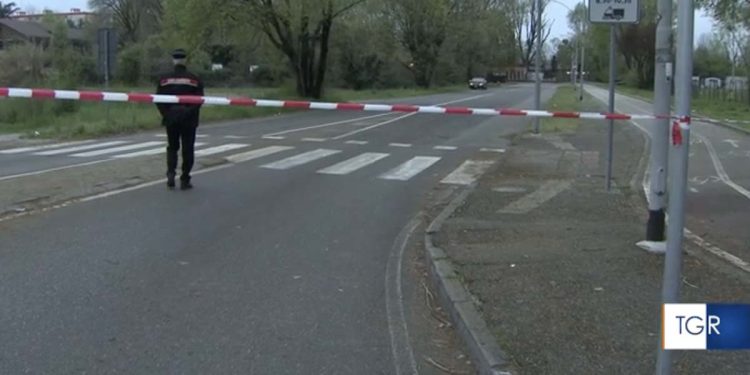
(550, 258)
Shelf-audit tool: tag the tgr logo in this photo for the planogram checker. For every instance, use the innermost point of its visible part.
(694, 325)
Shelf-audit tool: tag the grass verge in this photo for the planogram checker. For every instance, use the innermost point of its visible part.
(72, 120)
(565, 99)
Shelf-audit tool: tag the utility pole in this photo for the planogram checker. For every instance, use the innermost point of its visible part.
(678, 171)
(538, 64)
(657, 199)
(583, 60)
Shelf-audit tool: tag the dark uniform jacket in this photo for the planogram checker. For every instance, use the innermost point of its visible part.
(180, 82)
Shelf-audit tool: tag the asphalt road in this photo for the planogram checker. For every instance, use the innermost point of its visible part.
(277, 263)
(718, 201)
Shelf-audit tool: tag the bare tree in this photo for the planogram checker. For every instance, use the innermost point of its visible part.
(134, 18)
(301, 31)
(524, 15)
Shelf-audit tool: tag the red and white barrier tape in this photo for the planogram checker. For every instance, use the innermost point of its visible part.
(100, 96)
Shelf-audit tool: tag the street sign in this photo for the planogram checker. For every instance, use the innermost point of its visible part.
(614, 11)
(106, 52)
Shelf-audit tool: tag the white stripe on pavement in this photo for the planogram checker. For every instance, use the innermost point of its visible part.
(356, 142)
(353, 164)
(255, 154)
(115, 150)
(153, 151)
(324, 125)
(300, 159)
(79, 148)
(313, 139)
(220, 149)
(274, 137)
(42, 147)
(411, 168)
(468, 172)
(403, 145)
(446, 148)
(495, 150)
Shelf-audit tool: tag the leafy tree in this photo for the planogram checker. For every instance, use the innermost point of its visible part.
(7, 9)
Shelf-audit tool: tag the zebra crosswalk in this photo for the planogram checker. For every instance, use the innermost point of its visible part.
(391, 164)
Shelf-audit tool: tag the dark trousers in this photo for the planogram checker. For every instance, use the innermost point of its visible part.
(184, 134)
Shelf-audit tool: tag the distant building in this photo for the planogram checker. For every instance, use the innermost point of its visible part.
(76, 17)
(14, 32)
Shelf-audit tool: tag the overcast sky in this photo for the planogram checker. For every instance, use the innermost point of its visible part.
(556, 12)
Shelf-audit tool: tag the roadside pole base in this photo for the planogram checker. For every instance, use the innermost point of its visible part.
(654, 247)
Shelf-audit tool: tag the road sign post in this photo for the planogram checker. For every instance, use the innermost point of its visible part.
(657, 198)
(538, 65)
(679, 168)
(106, 57)
(612, 12)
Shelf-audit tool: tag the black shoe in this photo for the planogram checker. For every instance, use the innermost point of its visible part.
(170, 180)
(185, 185)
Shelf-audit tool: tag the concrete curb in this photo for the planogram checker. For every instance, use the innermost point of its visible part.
(484, 351)
(724, 124)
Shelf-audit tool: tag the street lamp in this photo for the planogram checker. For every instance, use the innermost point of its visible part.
(576, 62)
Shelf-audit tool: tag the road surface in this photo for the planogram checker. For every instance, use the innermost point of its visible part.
(718, 201)
(284, 261)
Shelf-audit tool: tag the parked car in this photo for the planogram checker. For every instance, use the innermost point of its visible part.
(478, 84)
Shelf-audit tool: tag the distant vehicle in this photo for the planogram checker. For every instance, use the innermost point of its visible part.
(478, 84)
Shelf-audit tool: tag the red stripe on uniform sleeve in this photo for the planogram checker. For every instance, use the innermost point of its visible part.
(140, 98)
(94, 96)
(42, 93)
(296, 104)
(245, 102)
(191, 99)
(350, 106)
(458, 111)
(404, 108)
(511, 112)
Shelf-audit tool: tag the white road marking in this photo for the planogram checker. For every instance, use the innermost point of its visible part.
(405, 116)
(79, 148)
(402, 145)
(201, 136)
(411, 168)
(353, 164)
(220, 149)
(374, 126)
(274, 137)
(300, 159)
(36, 173)
(356, 142)
(255, 154)
(733, 142)
(496, 150)
(153, 151)
(313, 139)
(468, 172)
(720, 168)
(529, 202)
(705, 245)
(326, 125)
(42, 147)
(115, 150)
(160, 135)
(445, 148)
(693, 190)
(234, 137)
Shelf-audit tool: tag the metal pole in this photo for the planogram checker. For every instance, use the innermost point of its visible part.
(678, 173)
(583, 59)
(657, 199)
(538, 64)
(106, 69)
(612, 77)
(574, 67)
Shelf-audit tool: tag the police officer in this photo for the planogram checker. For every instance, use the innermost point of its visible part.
(180, 120)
